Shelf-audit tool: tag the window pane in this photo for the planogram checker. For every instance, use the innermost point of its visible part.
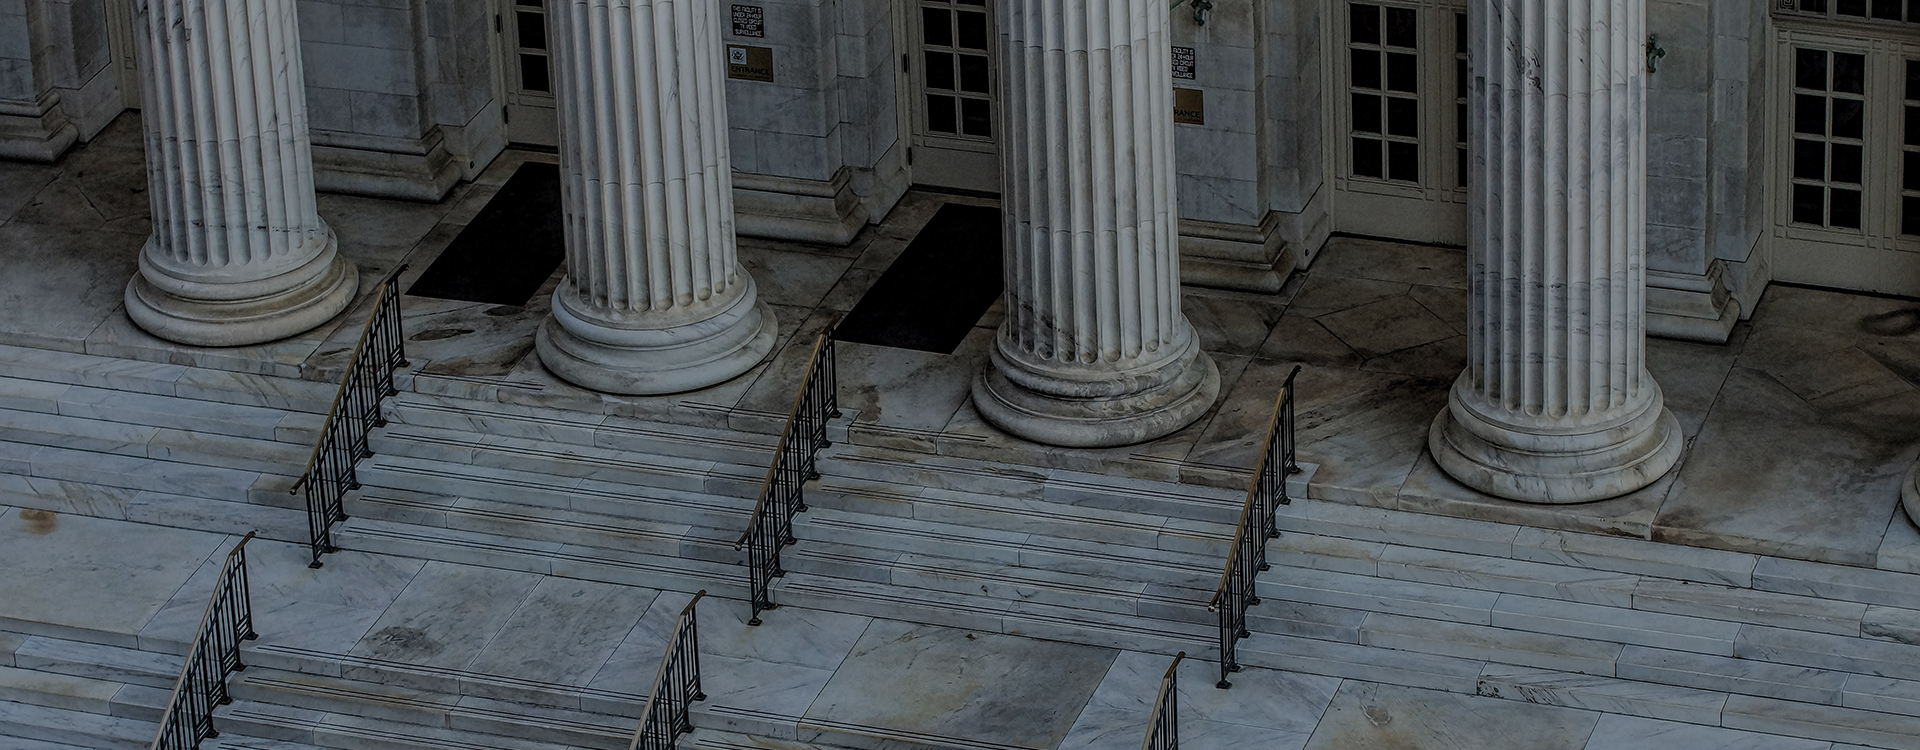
(1366, 24)
(1814, 6)
(1403, 162)
(1844, 210)
(973, 74)
(1913, 171)
(973, 30)
(1401, 29)
(1809, 160)
(1913, 126)
(1403, 117)
(1910, 215)
(1809, 204)
(938, 26)
(1462, 166)
(1366, 158)
(939, 70)
(1849, 73)
(1366, 69)
(1403, 72)
(1810, 114)
(940, 114)
(1887, 9)
(1460, 122)
(1810, 69)
(530, 30)
(1849, 121)
(976, 117)
(1459, 32)
(1913, 75)
(533, 73)
(1459, 78)
(1846, 163)
(1366, 113)
(1856, 8)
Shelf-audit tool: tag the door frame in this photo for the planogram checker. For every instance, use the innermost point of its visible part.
(937, 162)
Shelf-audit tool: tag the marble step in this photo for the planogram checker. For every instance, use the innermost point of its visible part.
(96, 661)
(231, 740)
(1148, 498)
(128, 407)
(1008, 582)
(270, 658)
(534, 523)
(1033, 550)
(572, 462)
(21, 743)
(78, 728)
(990, 614)
(637, 506)
(667, 571)
(196, 383)
(581, 428)
(350, 732)
(55, 690)
(160, 443)
(139, 473)
(1021, 515)
(278, 522)
(431, 709)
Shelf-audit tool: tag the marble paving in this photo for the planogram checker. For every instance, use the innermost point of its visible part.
(1800, 428)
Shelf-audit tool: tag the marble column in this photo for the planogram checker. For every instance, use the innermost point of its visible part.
(1556, 404)
(1095, 350)
(239, 255)
(655, 300)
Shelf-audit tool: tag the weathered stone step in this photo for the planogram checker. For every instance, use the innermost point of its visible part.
(581, 428)
(577, 462)
(348, 732)
(54, 690)
(197, 383)
(1010, 582)
(159, 443)
(275, 657)
(1032, 550)
(138, 473)
(674, 572)
(542, 524)
(79, 728)
(134, 408)
(431, 709)
(97, 661)
(632, 505)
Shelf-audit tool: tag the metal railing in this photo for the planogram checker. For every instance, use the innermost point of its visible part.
(354, 413)
(667, 714)
(1265, 494)
(782, 494)
(1163, 728)
(214, 655)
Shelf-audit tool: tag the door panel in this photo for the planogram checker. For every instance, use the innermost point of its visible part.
(954, 94)
(527, 73)
(1399, 118)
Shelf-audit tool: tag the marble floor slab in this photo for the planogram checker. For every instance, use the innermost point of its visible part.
(112, 577)
(1366, 716)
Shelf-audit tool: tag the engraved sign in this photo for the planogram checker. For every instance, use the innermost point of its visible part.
(1182, 63)
(1189, 107)
(750, 63)
(750, 21)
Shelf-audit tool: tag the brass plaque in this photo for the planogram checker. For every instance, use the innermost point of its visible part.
(1189, 107)
(750, 63)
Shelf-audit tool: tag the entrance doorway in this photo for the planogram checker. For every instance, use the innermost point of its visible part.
(954, 65)
(1845, 167)
(1399, 104)
(526, 71)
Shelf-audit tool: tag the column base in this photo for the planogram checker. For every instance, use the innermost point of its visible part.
(1095, 407)
(242, 313)
(1555, 467)
(637, 361)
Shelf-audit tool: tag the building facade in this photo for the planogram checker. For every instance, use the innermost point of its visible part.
(1617, 170)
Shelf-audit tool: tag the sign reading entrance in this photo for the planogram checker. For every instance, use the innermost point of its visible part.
(1182, 62)
(1189, 107)
(750, 21)
(750, 63)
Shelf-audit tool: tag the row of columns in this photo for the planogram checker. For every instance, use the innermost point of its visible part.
(1556, 404)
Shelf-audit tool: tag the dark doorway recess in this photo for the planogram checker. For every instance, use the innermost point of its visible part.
(937, 289)
(505, 254)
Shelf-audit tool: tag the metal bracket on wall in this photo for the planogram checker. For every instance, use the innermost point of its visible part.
(1200, 9)
(1654, 53)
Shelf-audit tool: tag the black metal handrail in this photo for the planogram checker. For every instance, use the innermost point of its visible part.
(1163, 728)
(1265, 494)
(676, 687)
(354, 413)
(782, 495)
(214, 655)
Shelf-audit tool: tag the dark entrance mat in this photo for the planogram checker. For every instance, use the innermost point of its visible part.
(937, 289)
(505, 254)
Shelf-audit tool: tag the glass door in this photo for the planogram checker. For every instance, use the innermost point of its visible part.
(527, 73)
(955, 102)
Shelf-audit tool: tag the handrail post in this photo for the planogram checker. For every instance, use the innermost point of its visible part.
(346, 435)
(1259, 522)
(783, 492)
(1163, 726)
(668, 712)
(214, 654)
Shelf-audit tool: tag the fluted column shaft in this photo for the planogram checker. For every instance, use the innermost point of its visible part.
(655, 300)
(238, 255)
(1556, 404)
(1095, 349)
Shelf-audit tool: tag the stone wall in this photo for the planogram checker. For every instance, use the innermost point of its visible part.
(57, 80)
